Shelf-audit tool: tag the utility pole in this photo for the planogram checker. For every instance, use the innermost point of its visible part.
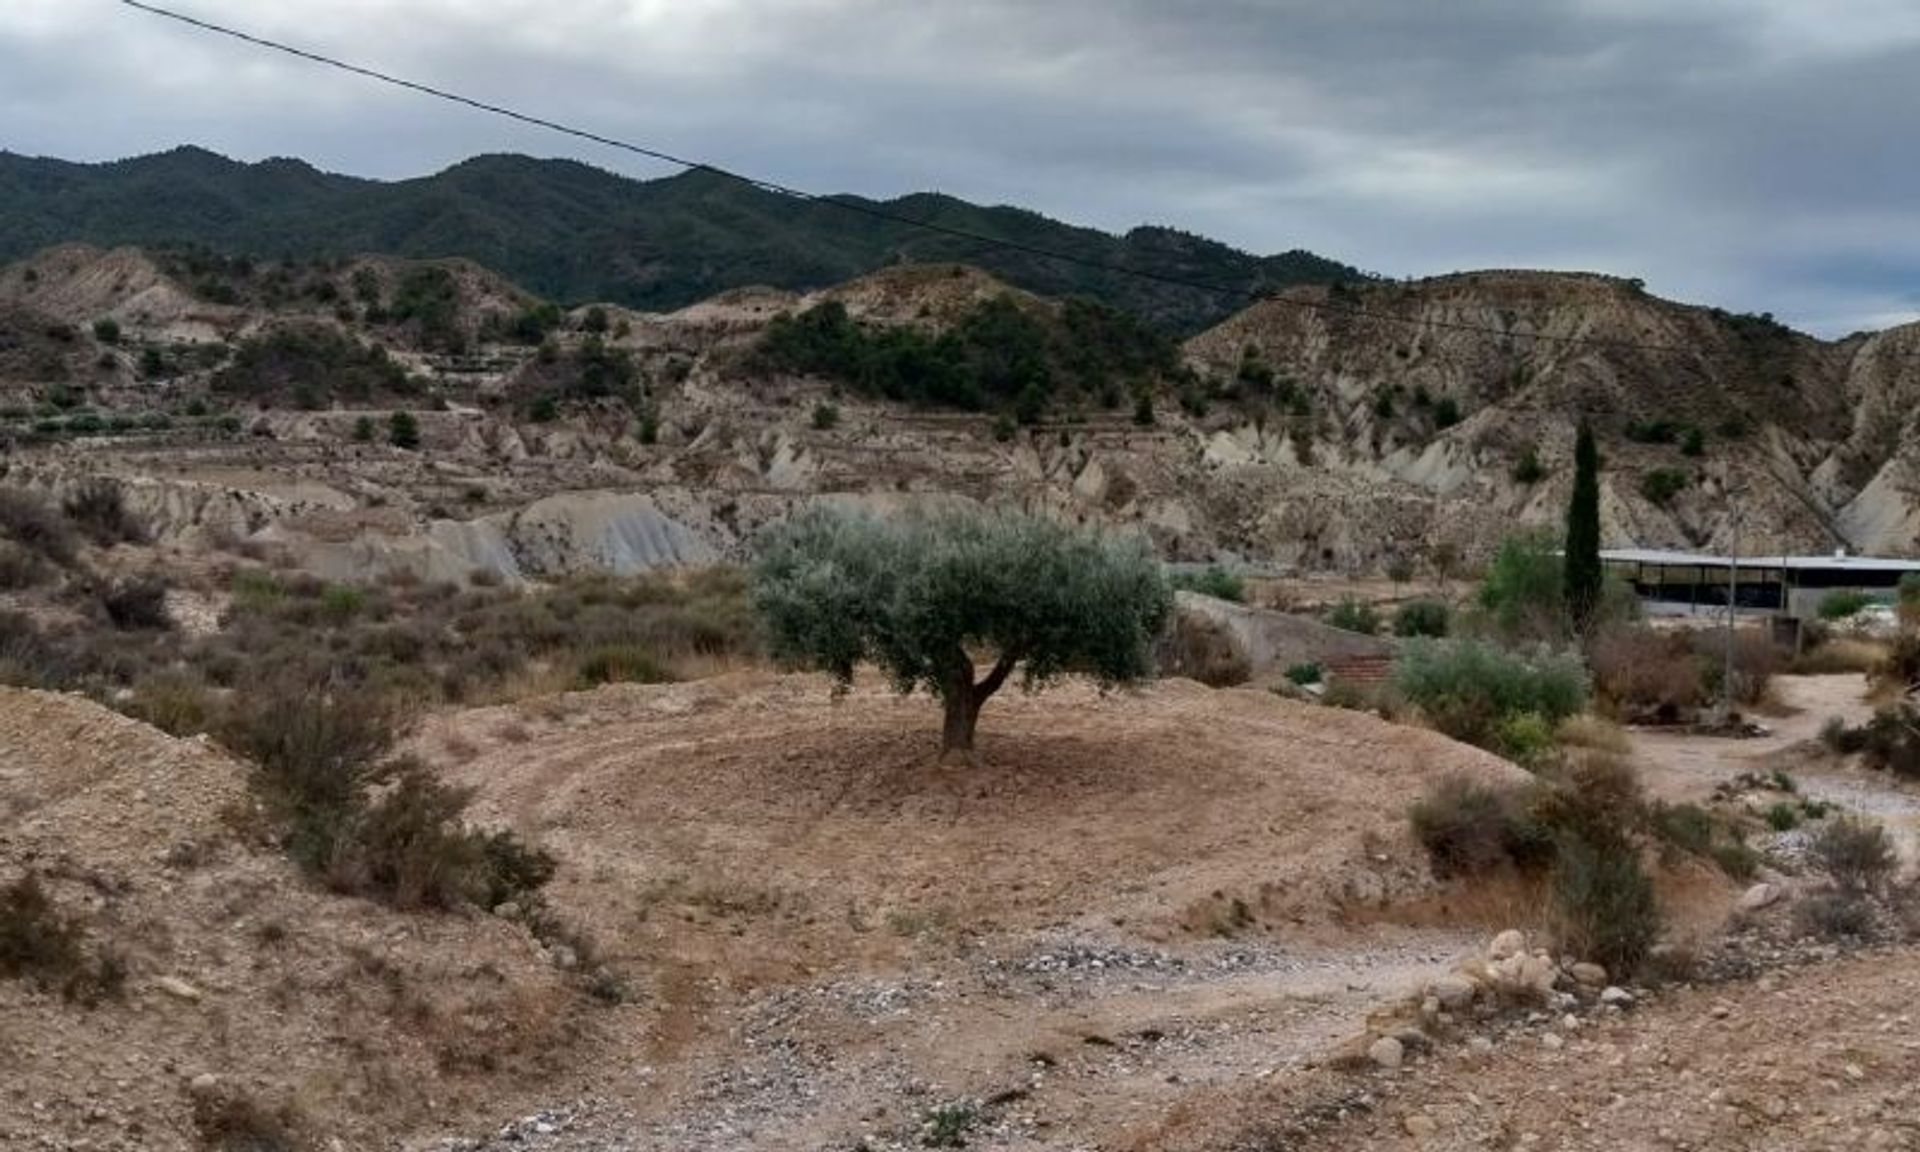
(1733, 603)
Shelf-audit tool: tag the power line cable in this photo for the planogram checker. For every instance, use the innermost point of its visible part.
(878, 213)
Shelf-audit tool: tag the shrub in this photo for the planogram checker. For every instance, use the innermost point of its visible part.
(228, 1120)
(920, 592)
(39, 945)
(1833, 916)
(1661, 485)
(1446, 412)
(1843, 603)
(1604, 906)
(1756, 660)
(1645, 674)
(37, 526)
(1889, 741)
(1469, 828)
(1203, 649)
(1469, 689)
(98, 508)
(1857, 853)
(620, 664)
(137, 604)
(403, 430)
(1523, 590)
(363, 430)
(1528, 470)
(1213, 581)
(365, 822)
(1693, 443)
(1783, 817)
(825, 416)
(1430, 618)
(1687, 827)
(1899, 667)
(106, 330)
(1524, 738)
(1351, 615)
(176, 703)
(1305, 673)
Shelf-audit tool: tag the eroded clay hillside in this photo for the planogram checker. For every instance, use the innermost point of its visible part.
(1328, 428)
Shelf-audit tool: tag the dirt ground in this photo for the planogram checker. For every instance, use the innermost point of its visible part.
(1126, 896)
(1139, 920)
(1818, 1057)
(1679, 766)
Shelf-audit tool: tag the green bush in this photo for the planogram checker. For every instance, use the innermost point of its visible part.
(1528, 470)
(1661, 485)
(106, 330)
(825, 416)
(1525, 738)
(403, 430)
(1446, 412)
(1783, 817)
(1305, 673)
(1523, 593)
(1351, 615)
(1430, 618)
(1841, 604)
(1470, 689)
(1213, 581)
(1604, 905)
(311, 366)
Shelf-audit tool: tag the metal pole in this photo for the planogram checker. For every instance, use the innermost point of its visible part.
(1733, 600)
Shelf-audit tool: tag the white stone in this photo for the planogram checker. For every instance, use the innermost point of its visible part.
(1588, 975)
(1421, 1127)
(1759, 896)
(1386, 1052)
(1616, 996)
(1454, 991)
(1512, 942)
(177, 988)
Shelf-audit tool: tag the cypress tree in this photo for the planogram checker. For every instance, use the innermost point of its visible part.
(1581, 564)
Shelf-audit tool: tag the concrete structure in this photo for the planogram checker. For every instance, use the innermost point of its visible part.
(1790, 586)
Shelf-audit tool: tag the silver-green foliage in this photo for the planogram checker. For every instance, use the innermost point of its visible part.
(919, 592)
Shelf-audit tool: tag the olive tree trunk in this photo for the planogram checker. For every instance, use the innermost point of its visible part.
(962, 697)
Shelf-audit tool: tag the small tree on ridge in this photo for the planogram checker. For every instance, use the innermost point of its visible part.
(921, 593)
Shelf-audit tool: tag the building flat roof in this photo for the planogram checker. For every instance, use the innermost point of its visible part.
(1661, 556)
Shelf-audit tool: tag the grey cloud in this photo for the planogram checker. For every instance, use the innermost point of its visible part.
(1758, 154)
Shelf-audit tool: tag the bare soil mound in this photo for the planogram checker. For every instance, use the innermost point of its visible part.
(1129, 808)
(246, 987)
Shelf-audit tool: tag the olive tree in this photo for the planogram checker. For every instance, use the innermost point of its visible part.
(921, 593)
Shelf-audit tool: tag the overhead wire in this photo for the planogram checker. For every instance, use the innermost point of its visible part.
(877, 212)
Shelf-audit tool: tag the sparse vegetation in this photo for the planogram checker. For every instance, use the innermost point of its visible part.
(403, 430)
(919, 593)
(1843, 604)
(1661, 485)
(1523, 595)
(311, 366)
(1430, 618)
(1856, 853)
(1469, 828)
(1472, 690)
(1352, 615)
(48, 949)
(997, 355)
(1213, 581)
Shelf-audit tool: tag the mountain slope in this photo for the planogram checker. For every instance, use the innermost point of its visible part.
(576, 233)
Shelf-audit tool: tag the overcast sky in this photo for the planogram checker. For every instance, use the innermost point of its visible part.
(1763, 155)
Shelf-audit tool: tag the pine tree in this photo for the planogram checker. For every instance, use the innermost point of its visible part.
(1584, 575)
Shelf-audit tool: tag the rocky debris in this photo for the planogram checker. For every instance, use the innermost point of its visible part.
(1588, 975)
(1761, 895)
(1616, 997)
